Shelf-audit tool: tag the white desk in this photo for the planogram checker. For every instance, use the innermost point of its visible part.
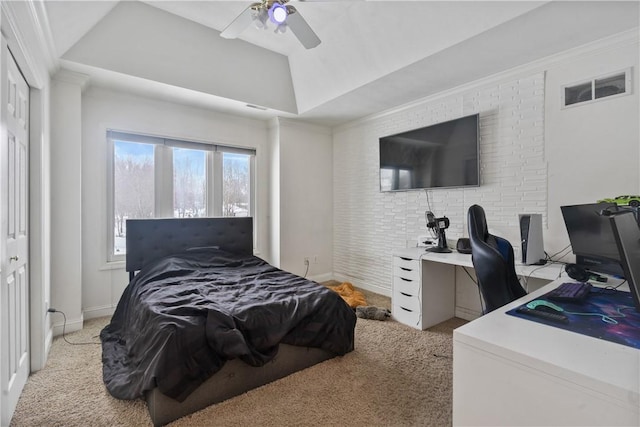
(423, 293)
(548, 271)
(511, 371)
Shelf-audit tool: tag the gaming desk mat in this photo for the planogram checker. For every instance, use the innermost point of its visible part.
(606, 314)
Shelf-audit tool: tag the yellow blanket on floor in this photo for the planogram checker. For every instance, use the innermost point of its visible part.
(348, 293)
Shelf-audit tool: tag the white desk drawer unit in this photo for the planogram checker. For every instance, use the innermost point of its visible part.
(423, 290)
(407, 286)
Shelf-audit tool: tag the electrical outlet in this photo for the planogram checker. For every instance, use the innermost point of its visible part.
(306, 260)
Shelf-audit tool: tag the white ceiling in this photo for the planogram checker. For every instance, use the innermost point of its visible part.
(374, 55)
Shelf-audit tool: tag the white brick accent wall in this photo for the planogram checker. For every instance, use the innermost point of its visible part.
(369, 225)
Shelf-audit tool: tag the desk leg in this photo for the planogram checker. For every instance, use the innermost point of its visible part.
(438, 292)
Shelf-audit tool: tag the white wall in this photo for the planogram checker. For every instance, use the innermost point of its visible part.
(104, 282)
(305, 201)
(534, 158)
(593, 149)
(274, 191)
(66, 221)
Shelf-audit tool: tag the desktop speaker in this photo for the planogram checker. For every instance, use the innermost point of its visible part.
(577, 273)
(582, 274)
(463, 245)
(531, 238)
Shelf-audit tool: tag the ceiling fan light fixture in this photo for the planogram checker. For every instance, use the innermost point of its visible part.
(278, 13)
(282, 15)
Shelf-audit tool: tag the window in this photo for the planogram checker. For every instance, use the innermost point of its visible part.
(189, 183)
(601, 87)
(133, 187)
(236, 191)
(152, 177)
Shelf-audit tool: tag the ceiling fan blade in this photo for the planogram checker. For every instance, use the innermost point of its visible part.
(302, 30)
(238, 25)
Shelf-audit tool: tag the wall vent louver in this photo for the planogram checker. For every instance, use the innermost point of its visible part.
(609, 85)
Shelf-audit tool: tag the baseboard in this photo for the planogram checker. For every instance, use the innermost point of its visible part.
(467, 314)
(47, 344)
(100, 311)
(362, 285)
(70, 326)
(321, 277)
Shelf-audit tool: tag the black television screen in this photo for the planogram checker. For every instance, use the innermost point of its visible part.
(591, 237)
(438, 156)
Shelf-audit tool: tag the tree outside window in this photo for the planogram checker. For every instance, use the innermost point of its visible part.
(159, 177)
(133, 186)
(235, 184)
(189, 183)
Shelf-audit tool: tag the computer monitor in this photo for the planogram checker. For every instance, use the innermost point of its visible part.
(627, 236)
(591, 238)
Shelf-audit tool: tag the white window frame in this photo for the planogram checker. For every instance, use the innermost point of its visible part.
(163, 177)
(627, 88)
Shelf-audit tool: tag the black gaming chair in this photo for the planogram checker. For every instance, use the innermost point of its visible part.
(492, 258)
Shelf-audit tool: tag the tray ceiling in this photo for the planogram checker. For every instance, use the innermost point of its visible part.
(374, 55)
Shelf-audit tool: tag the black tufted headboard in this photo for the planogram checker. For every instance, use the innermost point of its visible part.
(151, 239)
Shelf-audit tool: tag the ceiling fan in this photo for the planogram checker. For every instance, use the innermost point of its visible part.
(279, 13)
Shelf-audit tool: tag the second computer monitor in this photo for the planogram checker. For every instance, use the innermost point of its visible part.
(627, 236)
(591, 238)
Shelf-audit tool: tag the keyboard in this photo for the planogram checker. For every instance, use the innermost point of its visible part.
(570, 292)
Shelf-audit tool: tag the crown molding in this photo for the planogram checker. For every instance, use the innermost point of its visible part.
(71, 77)
(25, 27)
(44, 34)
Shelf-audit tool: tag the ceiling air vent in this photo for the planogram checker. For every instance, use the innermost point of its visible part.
(615, 84)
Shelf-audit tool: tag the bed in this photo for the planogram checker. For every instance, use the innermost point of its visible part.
(203, 320)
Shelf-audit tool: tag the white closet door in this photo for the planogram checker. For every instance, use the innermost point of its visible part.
(14, 251)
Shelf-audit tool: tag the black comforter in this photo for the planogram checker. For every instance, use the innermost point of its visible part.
(181, 318)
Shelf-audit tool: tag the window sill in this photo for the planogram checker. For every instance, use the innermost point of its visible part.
(113, 265)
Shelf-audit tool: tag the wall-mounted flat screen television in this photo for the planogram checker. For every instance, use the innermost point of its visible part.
(442, 155)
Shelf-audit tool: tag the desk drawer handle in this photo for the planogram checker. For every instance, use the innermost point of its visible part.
(406, 280)
(406, 295)
(406, 309)
(406, 259)
(406, 269)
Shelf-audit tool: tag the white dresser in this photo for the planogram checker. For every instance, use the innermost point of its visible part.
(421, 300)
(407, 290)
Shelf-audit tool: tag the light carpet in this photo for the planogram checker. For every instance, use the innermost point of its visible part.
(396, 376)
